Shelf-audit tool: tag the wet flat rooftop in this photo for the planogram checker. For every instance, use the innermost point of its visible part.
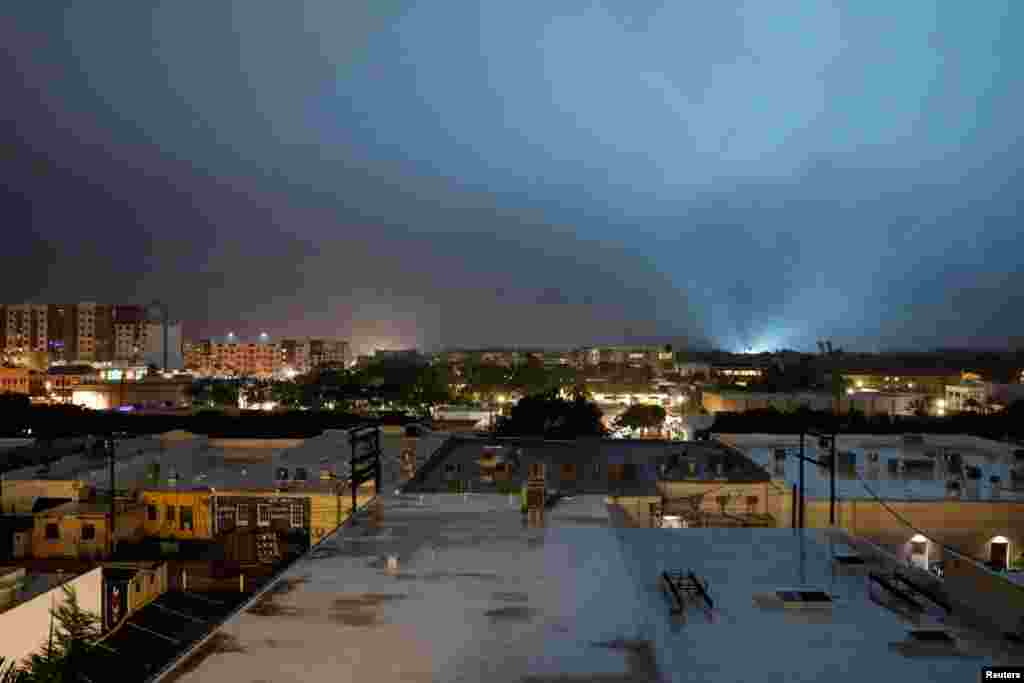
(475, 594)
(195, 465)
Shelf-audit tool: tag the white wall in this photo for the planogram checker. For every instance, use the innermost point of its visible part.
(24, 628)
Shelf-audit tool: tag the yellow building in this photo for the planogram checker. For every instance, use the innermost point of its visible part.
(178, 515)
(19, 496)
(192, 515)
(82, 530)
(21, 380)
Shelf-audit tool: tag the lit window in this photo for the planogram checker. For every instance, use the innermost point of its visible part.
(297, 516)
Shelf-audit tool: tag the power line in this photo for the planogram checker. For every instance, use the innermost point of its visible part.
(910, 526)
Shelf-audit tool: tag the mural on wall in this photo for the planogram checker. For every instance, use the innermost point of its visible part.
(116, 602)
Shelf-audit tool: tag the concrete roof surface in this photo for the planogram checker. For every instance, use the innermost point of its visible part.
(478, 595)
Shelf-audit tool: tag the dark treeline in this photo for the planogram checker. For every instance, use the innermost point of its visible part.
(50, 423)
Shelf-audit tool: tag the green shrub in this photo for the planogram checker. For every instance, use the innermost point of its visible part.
(508, 487)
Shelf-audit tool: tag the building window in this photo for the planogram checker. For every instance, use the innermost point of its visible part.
(297, 516)
(301, 474)
(88, 532)
(138, 586)
(282, 474)
(170, 513)
(263, 515)
(242, 516)
(186, 518)
(151, 513)
(52, 532)
(152, 579)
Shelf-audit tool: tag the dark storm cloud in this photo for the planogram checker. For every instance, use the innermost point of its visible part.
(499, 173)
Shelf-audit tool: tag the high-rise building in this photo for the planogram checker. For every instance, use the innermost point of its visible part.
(152, 344)
(85, 332)
(24, 334)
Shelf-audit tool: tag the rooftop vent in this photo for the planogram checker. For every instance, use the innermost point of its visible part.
(794, 599)
(848, 559)
(930, 635)
(928, 642)
(804, 598)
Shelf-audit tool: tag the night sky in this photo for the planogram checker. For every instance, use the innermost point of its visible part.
(744, 174)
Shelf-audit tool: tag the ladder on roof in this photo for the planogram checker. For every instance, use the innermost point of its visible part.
(911, 592)
(685, 587)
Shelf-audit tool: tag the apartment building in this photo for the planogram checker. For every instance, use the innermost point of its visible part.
(302, 355)
(37, 335)
(656, 358)
(235, 358)
(24, 334)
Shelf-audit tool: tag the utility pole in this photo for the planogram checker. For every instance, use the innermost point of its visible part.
(829, 464)
(111, 445)
(832, 485)
(800, 514)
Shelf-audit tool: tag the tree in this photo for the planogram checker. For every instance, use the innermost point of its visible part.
(551, 416)
(10, 673)
(429, 389)
(642, 417)
(484, 380)
(286, 394)
(224, 394)
(72, 636)
(256, 393)
(14, 413)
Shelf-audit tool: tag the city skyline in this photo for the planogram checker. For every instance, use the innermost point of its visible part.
(736, 176)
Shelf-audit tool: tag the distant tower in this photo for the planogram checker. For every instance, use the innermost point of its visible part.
(160, 308)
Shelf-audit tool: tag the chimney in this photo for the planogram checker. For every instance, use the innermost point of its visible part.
(536, 493)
